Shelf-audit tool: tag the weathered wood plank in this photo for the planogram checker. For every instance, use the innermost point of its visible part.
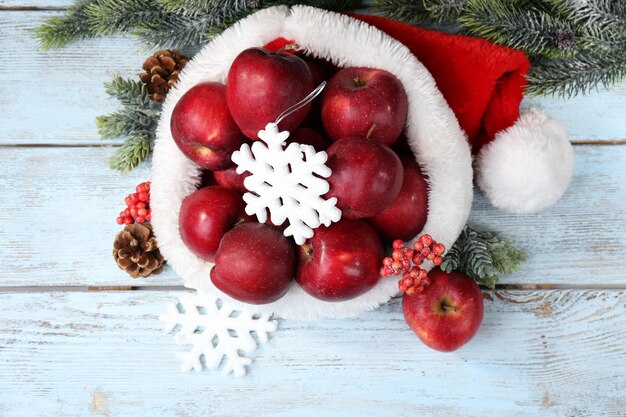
(57, 217)
(58, 208)
(35, 3)
(582, 238)
(548, 353)
(55, 96)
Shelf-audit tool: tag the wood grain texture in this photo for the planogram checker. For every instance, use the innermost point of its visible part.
(20, 4)
(55, 96)
(548, 353)
(58, 208)
(57, 217)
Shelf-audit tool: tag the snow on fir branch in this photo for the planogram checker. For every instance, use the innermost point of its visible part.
(159, 23)
(136, 122)
(574, 46)
(482, 256)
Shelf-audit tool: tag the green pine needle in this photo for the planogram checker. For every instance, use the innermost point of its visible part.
(516, 25)
(136, 121)
(581, 74)
(206, 7)
(420, 11)
(130, 93)
(131, 154)
(482, 256)
(58, 32)
(126, 122)
(108, 17)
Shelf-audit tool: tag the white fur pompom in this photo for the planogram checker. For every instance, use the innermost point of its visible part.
(527, 167)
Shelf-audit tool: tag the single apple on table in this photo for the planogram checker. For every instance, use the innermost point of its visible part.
(405, 217)
(255, 264)
(364, 102)
(203, 128)
(448, 313)
(341, 261)
(262, 84)
(366, 176)
(206, 215)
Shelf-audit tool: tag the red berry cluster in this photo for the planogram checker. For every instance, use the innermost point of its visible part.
(137, 206)
(414, 278)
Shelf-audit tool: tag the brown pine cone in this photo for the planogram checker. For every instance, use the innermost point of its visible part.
(161, 72)
(136, 251)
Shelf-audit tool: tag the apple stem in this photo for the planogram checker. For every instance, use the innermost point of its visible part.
(358, 82)
(306, 252)
(369, 132)
(288, 47)
(446, 306)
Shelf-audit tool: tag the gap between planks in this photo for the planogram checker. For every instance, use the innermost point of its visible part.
(168, 288)
(31, 9)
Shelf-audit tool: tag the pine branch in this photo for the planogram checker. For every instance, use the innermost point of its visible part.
(482, 256)
(517, 25)
(129, 92)
(132, 153)
(581, 74)
(420, 11)
(59, 32)
(108, 17)
(126, 122)
(609, 14)
(206, 7)
(136, 121)
(178, 32)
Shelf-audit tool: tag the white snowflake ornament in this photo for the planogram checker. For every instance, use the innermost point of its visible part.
(288, 182)
(217, 332)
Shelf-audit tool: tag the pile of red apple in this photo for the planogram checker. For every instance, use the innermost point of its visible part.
(358, 120)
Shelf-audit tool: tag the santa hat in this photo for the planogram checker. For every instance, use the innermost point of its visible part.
(523, 163)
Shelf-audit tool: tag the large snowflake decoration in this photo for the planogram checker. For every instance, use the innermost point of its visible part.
(216, 331)
(288, 182)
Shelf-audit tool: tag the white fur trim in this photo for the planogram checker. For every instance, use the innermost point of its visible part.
(527, 167)
(433, 131)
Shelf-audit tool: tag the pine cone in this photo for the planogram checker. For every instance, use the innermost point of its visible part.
(136, 251)
(161, 72)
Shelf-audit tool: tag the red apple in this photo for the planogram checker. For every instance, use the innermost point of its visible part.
(364, 102)
(255, 264)
(321, 70)
(405, 217)
(206, 215)
(229, 178)
(448, 313)
(366, 176)
(203, 128)
(262, 84)
(341, 261)
(308, 136)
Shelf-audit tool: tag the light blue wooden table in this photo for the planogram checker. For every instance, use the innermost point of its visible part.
(76, 340)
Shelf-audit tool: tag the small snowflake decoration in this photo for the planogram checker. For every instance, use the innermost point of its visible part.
(288, 182)
(216, 331)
